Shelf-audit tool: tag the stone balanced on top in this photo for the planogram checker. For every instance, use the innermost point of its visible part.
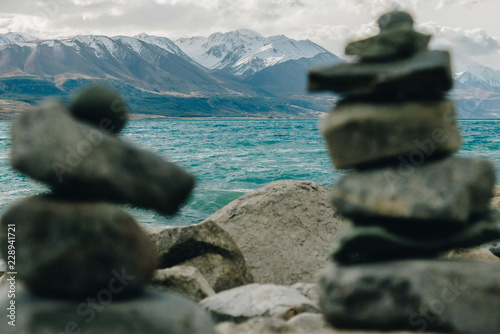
(83, 262)
(407, 197)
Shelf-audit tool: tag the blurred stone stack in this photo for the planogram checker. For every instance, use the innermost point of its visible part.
(81, 264)
(407, 196)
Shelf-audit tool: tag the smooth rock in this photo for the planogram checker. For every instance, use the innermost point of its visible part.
(375, 243)
(79, 160)
(309, 290)
(482, 253)
(285, 230)
(152, 313)
(100, 106)
(360, 134)
(206, 247)
(444, 191)
(257, 300)
(441, 296)
(257, 326)
(395, 20)
(76, 248)
(425, 73)
(495, 201)
(185, 280)
(310, 323)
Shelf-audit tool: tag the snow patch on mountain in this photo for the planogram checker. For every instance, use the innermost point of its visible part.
(473, 74)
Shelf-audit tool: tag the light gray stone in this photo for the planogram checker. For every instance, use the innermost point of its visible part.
(151, 312)
(375, 243)
(447, 190)
(309, 290)
(78, 160)
(362, 134)
(310, 323)
(206, 247)
(185, 280)
(425, 73)
(71, 248)
(441, 296)
(257, 300)
(285, 230)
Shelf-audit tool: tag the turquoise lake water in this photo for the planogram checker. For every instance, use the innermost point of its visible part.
(231, 157)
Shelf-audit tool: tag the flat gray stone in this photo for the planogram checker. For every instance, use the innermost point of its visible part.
(76, 248)
(376, 243)
(420, 295)
(360, 133)
(185, 280)
(427, 72)
(79, 160)
(257, 300)
(446, 190)
(151, 312)
(206, 247)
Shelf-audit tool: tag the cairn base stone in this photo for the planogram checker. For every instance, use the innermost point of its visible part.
(442, 296)
(66, 248)
(360, 134)
(446, 190)
(151, 312)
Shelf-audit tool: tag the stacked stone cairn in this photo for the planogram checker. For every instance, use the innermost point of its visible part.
(408, 198)
(81, 264)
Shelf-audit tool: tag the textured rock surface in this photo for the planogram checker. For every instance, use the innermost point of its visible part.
(257, 300)
(441, 296)
(206, 247)
(76, 248)
(309, 290)
(81, 161)
(482, 253)
(402, 76)
(101, 107)
(447, 190)
(360, 133)
(495, 201)
(151, 313)
(285, 230)
(185, 280)
(372, 243)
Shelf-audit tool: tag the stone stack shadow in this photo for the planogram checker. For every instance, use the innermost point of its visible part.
(82, 263)
(408, 197)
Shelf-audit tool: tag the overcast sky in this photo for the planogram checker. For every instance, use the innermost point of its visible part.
(467, 26)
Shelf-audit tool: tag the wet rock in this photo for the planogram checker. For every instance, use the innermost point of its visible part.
(446, 190)
(441, 296)
(374, 243)
(152, 312)
(425, 73)
(66, 248)
(285, 230)
(206, 247)
(257, 300)
(361, 134)
(78, 160)
(100, 106)
(185, 280)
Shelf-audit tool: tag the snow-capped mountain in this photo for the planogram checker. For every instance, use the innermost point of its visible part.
(245, 52)
(11, 37)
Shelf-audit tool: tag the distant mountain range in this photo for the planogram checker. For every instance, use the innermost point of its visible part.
(234, 74)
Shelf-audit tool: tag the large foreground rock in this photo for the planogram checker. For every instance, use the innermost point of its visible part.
(76, 248)
(206, 247)
(361, 133)
(427, 72)
(151, 313)
(441, 296)
(285, 230)
(257, 300)
(447, 190)
(78, 160)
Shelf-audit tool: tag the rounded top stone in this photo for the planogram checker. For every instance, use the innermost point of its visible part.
(395, 19)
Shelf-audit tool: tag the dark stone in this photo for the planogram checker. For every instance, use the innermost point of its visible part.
(81, 161)
(70, 248)
(420, 295)
(395, 20)
(101, 107)
(425, 73)
(375, 243)
(446, 190)
(206, 247)
(360, 134)
(151, 313)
